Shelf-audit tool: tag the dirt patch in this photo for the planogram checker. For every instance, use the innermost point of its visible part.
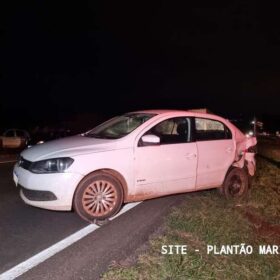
(277, 190)
(262, 227)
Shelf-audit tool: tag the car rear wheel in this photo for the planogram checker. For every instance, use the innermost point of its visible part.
(236, 184)
(99, 196)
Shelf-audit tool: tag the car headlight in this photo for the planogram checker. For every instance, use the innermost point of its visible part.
(54, 165)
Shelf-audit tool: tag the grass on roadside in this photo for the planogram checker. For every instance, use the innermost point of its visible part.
(205, 218)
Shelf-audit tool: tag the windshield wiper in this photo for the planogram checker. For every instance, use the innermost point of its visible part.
(91, 135)
(100, 136)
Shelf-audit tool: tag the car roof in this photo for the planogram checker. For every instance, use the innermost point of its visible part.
(160, 111)
(187, 112)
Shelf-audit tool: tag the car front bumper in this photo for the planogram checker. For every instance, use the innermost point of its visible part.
(61, 185)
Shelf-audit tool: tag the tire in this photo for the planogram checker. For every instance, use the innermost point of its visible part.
(236, 184)
(98, 197)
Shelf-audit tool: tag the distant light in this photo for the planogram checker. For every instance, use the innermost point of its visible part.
(249, 133)
(40, 142)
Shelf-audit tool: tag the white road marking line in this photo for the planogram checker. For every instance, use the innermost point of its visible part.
(23, 267)
(126, 208)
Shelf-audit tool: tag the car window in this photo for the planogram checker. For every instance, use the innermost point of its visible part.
(119, 126)
(9, 133)
(20, 133)
(207, 129)
(172, 131)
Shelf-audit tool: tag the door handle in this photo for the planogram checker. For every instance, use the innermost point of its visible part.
(190, 156)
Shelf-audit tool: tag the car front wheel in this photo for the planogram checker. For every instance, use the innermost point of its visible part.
(99, 196)
(236, 184)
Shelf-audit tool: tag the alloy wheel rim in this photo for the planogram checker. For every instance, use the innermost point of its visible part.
(236, 187)
(99, 198)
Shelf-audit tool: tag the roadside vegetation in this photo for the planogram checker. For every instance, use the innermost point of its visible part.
(206, 218)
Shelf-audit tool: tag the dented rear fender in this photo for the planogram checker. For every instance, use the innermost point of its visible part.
(244, 157)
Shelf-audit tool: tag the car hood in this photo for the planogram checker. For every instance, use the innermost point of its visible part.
(67, 147)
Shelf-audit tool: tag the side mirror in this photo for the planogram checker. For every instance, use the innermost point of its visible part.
(150, 139)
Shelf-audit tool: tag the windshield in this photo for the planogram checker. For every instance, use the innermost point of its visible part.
(119, 126)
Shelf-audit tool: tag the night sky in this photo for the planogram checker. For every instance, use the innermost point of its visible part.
(60, 59)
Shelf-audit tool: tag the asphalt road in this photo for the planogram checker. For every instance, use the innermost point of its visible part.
(26, 231)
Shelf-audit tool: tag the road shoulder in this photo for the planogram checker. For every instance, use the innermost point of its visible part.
(113, 242)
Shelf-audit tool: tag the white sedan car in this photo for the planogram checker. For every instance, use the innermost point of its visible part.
(133, 157)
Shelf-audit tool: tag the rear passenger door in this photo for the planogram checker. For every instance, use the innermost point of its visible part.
(215, 152)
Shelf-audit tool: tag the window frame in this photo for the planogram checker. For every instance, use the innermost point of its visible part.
(191, 136)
